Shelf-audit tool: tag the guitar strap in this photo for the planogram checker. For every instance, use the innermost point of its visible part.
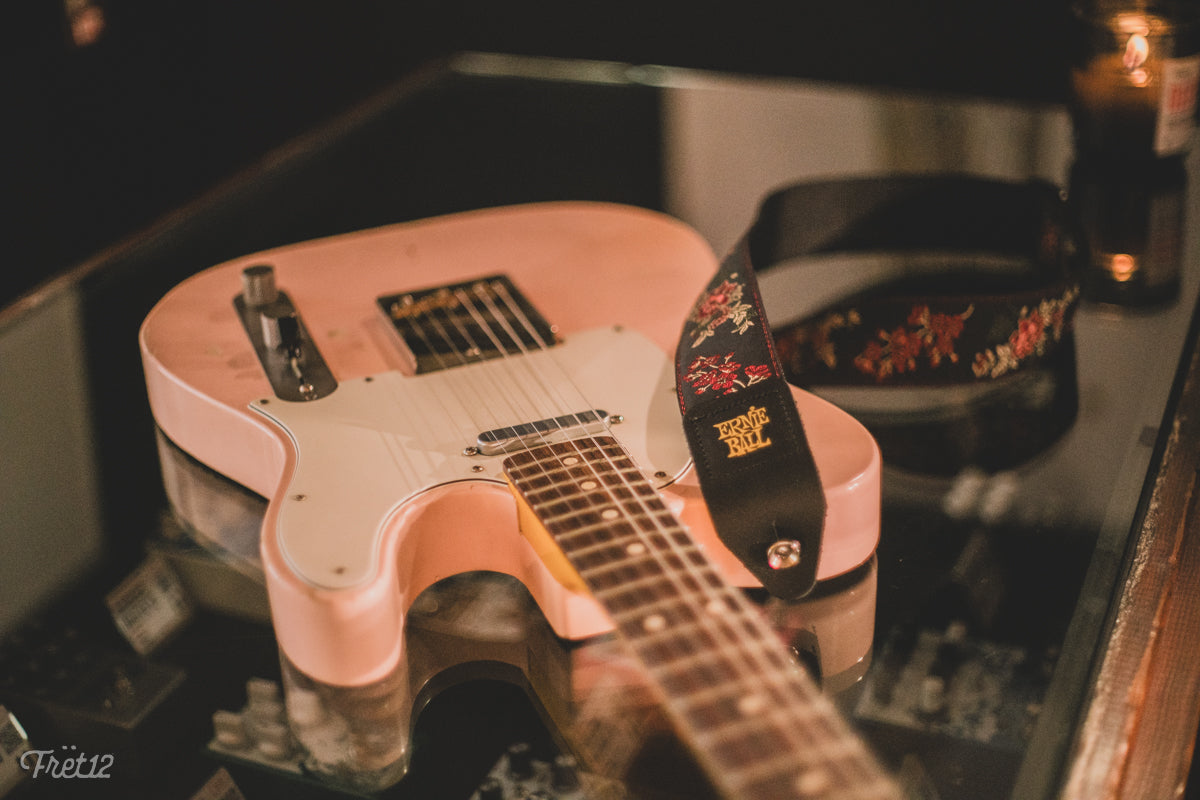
(756, 471)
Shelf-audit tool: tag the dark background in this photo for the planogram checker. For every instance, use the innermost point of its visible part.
(173, 96)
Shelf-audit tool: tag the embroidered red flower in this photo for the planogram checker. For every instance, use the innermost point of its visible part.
(722, 304)
(1029, 334)
(756, 373)
(924, 335)
(1036, 329)
(722, 374)
(943, 330)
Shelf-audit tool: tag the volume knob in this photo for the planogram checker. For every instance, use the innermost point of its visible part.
(258, 285)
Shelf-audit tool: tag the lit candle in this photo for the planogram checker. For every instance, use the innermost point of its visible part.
(1133, 95)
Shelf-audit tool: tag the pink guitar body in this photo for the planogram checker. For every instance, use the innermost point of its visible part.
(374, 492)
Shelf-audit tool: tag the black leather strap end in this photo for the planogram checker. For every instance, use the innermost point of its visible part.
(761, 485)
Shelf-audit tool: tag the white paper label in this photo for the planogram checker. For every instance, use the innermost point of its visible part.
(150, 605)
(1177, 105)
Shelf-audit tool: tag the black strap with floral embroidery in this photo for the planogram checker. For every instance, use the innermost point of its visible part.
(898, 326)
(756, 472)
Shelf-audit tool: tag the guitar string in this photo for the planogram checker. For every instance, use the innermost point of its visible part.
(536, 336)
(764, 632)
(456, 385)
(750, 613)
(765, 667)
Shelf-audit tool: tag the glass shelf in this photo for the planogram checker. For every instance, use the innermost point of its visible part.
(999, 590)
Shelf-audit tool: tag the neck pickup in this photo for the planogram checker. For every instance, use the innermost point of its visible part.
(506, 440)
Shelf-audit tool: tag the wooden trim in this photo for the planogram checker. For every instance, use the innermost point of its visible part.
(1138, 732)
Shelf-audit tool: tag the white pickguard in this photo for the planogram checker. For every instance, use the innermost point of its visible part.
(376, 442)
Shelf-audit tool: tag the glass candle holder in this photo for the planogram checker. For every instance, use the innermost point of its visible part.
(1134, 80)
(1133, 218)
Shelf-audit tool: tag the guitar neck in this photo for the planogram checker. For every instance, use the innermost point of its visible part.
(756, 722)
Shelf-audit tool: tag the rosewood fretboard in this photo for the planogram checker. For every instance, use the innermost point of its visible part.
(754, 719)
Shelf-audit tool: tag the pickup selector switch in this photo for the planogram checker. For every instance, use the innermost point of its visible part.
(281, 329)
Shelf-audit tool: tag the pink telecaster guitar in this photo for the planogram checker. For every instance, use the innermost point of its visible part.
(493, 391)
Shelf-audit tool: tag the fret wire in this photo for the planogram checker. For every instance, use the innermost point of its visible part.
(667, 669)
(619, 532)
(595, 565)
(592, 496)
(681, 678)
(619, 604)
(589, 565)
(564, 516)
(601, 554)
(821, 727)
(771, 665)
(647, 574)
(738, 654)
(625, 535)
(729, 690)
(535, 479)
(607, 451)
(603, 450)
(627, 600)
(564, 535)
(819, 717)
(644, 581)
(737, 727)
(695, 585)
(759, 762)
(598, 457)
(621, 536)
(751, 631)
(604, 576)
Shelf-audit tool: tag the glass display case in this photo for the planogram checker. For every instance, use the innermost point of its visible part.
(1033, 617)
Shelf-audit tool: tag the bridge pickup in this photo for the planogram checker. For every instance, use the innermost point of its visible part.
(465, 323)
(555, 429)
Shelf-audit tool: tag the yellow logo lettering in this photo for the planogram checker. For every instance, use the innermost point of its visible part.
(744, 433)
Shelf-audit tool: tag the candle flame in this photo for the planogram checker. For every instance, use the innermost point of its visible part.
(1137, 50)
(1122, 267)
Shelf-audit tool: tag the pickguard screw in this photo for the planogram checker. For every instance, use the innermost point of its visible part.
(784, 554)
(477, 468)
(299, 497)
(660, 474)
